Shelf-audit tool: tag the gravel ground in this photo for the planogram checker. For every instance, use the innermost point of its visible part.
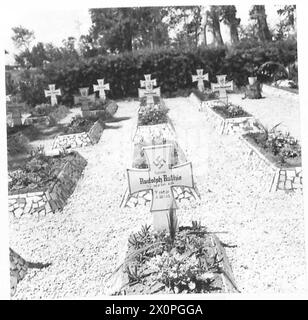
(87, 240)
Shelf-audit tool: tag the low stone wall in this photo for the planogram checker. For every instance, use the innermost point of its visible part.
(77, 140)
(278, 178)
(239, 125)
(47, 201)
(182, 195)
(37, 120)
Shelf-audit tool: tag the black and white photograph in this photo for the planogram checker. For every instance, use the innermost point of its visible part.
(153, 150)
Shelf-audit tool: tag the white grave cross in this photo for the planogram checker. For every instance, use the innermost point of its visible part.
(101, 87)
(222, 86)
(148, 83)
(160, 177)
(149, 91)
(200, 77)
(52, 93)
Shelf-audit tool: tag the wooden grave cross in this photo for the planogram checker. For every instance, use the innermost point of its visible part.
(160, 177)
(222, 86)
(101, 87)
(52, 93)
(149, 90)
(14, 116)
(84, 97)
(200, 77)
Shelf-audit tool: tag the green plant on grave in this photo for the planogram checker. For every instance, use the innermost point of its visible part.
(39, 171)
(43, 109)
(280, 144)
(153, 115)
(79, 124)
(231, 111)
(179, 261)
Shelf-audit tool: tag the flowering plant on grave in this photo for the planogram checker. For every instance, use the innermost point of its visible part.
(153, 115)
(181, 262)
(283, 144)
(181, 273)
(231, 111)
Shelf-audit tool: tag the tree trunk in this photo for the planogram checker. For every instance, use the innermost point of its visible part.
(258, 13)
(216, 28)
(234, 33)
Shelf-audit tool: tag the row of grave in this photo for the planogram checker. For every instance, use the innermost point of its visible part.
(279, 177)
(164, 181)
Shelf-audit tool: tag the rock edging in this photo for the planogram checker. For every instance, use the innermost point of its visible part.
(48, 201)
(78, 140)
(281, 178)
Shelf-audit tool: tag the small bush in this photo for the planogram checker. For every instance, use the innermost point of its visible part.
(153, 115)
(79, 124)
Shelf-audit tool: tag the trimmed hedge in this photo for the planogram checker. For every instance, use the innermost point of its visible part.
(172, 68)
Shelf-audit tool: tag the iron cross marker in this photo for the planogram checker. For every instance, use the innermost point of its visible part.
(200, 77)
(222, 86)
(160, 177)
(52, 93)
(149, 90)
(148, 83)
(101, 87)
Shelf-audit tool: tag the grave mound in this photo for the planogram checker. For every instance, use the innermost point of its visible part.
(190, 260)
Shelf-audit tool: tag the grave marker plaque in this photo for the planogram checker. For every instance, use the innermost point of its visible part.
(52, 93)
(160, 177)
(222, 86)
(200, 77)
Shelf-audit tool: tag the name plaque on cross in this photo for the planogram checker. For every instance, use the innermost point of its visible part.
(160, 177)
(222, 86)
(200, 77)
(101, 87)
(52, 93)
(149, 90)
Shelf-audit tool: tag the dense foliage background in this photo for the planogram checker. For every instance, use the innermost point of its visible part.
(123, 44)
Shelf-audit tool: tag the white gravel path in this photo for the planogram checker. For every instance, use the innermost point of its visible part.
(85, 242)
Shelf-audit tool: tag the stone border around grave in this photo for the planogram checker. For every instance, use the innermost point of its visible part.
(77, 140)
(237, 125)
(49, 200)
(282, 178)
(117, 282)
(203, 105)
